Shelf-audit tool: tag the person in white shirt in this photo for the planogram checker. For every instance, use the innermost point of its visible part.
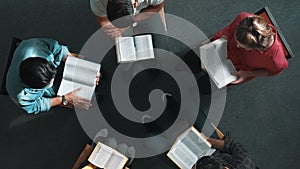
(139, 14)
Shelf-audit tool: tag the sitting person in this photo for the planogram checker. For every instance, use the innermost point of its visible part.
(31, 75)
(253, 47)
(229, 155)
(140, 13)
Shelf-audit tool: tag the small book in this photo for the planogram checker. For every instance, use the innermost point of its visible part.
(135, 48)
(106, 157)
(188, 148)
(214, 58)
(79, 73)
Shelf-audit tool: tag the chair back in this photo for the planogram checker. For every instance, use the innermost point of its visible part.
(15, 43)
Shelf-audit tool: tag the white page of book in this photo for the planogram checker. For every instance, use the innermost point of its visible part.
(125, 49)
(102, 155)
(221, 74)
(67, 86)
(214, 58)
(81, 71)
(144, 47)
(116, 161)
(182, 156)
(197, 143)
(220, 46)
(208, 56)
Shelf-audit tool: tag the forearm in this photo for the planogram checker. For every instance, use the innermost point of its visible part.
(148, 12)
(102, 21)
(258, 72)
(55, 101)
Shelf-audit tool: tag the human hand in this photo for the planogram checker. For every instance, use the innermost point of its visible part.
(77, 101)
(112, 31)
(242, 76)
(75, 55)
(216, 143)
(203, 67)
(98, 78)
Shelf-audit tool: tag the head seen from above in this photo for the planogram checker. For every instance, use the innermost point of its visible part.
(209, 162)
(37, 72)
(120, 9)
(254, 33)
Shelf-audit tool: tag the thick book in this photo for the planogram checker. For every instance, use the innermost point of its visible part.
(79, 73)
(130, 49)
(106, 157)
(214, 58)
(188, 148)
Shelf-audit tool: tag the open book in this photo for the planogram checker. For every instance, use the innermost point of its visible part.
(106, 157)
(79, 73)
(135, 48)
(214, 58)
(188, 148)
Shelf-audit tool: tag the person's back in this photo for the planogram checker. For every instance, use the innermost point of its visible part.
(31, 75)
(29, 49)
(253, 47)
(229, 154)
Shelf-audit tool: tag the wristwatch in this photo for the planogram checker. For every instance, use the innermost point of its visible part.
(64, 100)
(133, 23)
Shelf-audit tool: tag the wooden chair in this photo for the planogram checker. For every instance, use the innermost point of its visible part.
(163, 18)
(15, 43)
(266, 13)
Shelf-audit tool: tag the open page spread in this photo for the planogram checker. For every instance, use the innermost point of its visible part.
(79, 73)
(188, 148)
(106, 157)
(129, 49)
(214, 58)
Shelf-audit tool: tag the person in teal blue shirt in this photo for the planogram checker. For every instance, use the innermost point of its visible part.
(31, 75)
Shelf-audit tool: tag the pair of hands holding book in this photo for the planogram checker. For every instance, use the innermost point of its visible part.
(241, 74)
(73, 99)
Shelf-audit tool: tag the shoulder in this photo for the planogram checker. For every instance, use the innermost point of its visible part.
(276, 54)
(98, 7)
(154, 2)
(98, 3)
(243, 15)
(37, 42)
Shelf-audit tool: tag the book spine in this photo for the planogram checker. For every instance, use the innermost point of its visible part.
(118, 50)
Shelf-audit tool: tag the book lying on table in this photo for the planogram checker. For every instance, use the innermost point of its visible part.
(135, 48)
(190, 146)
(214, 58)
(106, 157)
(79, 73)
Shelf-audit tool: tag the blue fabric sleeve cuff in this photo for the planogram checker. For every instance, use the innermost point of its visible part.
(45, 104)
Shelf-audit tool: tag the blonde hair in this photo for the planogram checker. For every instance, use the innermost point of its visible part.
(254, 32)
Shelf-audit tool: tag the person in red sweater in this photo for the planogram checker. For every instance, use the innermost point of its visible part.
(253, 47)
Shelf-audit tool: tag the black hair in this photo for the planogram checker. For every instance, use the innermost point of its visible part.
(37, 72)
(209, 162)
(120, 9)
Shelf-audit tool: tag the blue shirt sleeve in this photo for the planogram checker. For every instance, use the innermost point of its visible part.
(32, 101)
(46, 48)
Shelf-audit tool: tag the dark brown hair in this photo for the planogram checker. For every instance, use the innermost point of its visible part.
(254, 32)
